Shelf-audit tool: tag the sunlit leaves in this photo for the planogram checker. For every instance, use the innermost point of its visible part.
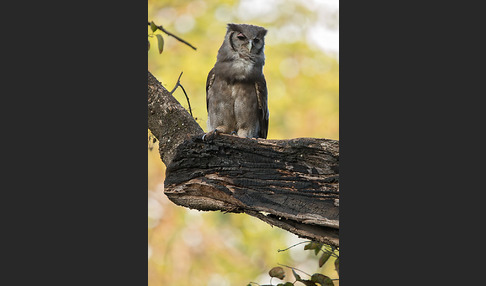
(286, 284)
(316, 279)
(277, 272)
(303, 281)
(323, 280)
(324, 257)
(328, 251)
(336, 264)
(297, 276)
(153, 26)
(316, 246)
(308, 283)
(160, 41)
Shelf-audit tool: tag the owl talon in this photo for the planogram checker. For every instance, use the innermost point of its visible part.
(211, 135)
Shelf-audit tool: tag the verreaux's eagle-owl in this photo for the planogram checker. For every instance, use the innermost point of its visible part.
(236, 91)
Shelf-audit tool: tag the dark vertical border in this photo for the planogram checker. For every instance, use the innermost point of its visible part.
(74, 201)
(378, 141)
(409, 147)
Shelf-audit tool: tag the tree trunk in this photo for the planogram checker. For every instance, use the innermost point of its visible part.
(292, 184)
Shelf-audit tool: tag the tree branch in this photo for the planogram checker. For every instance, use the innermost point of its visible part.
(172, 35)
(178, 84)
(169, 122)
(292, 184)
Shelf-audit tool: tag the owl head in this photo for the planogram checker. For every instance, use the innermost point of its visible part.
(243, 41)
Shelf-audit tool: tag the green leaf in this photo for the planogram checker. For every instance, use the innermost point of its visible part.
(160, 42)
(297, 276)
(277, 272)
(313, 245)
(318, 277)
(324, 257)
(308, 282)
(153, 26)
(288, 284)
(336, 264)
(322, 279)
(318, 248)
(328, 282)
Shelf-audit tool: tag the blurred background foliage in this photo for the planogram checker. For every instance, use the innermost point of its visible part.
(188, 247)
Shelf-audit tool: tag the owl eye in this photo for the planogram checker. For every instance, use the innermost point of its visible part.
(256, 41)
(241, 36)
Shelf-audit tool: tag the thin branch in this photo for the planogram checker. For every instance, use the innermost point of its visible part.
(294, 269)
(280, 250)
(179, 84)
(176, 37)
(188, 103)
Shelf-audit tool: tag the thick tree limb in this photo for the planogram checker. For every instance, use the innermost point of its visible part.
(292, 184)
(168, 121)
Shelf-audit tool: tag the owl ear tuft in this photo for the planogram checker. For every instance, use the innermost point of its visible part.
(233, 27)
(262, 32)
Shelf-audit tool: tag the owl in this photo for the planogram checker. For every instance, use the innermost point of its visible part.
(236, 90)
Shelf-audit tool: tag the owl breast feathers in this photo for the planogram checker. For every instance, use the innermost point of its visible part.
(236, 91)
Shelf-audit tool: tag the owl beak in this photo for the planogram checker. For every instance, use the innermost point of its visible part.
(249, 45)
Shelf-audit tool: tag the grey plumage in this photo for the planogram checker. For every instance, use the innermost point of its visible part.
(236, 91)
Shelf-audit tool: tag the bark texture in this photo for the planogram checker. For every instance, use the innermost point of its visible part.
(292, 184)
(168, 121)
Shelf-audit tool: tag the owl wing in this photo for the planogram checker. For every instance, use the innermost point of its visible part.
(209, 83)
(263, 115)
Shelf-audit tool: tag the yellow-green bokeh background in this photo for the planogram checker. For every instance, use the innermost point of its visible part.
(188, 247)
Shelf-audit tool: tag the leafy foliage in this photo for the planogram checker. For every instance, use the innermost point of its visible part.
(277, 272)
(160, 39)
(316, 279)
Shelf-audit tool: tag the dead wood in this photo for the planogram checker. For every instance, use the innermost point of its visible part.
(292, 184)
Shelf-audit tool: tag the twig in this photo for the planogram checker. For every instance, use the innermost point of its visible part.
(280, 250)
(179, 84)
(190, 111)
(176, 37)
(294, 269)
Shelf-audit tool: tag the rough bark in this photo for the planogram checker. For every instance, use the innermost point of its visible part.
(168, 121)
(292, 184)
